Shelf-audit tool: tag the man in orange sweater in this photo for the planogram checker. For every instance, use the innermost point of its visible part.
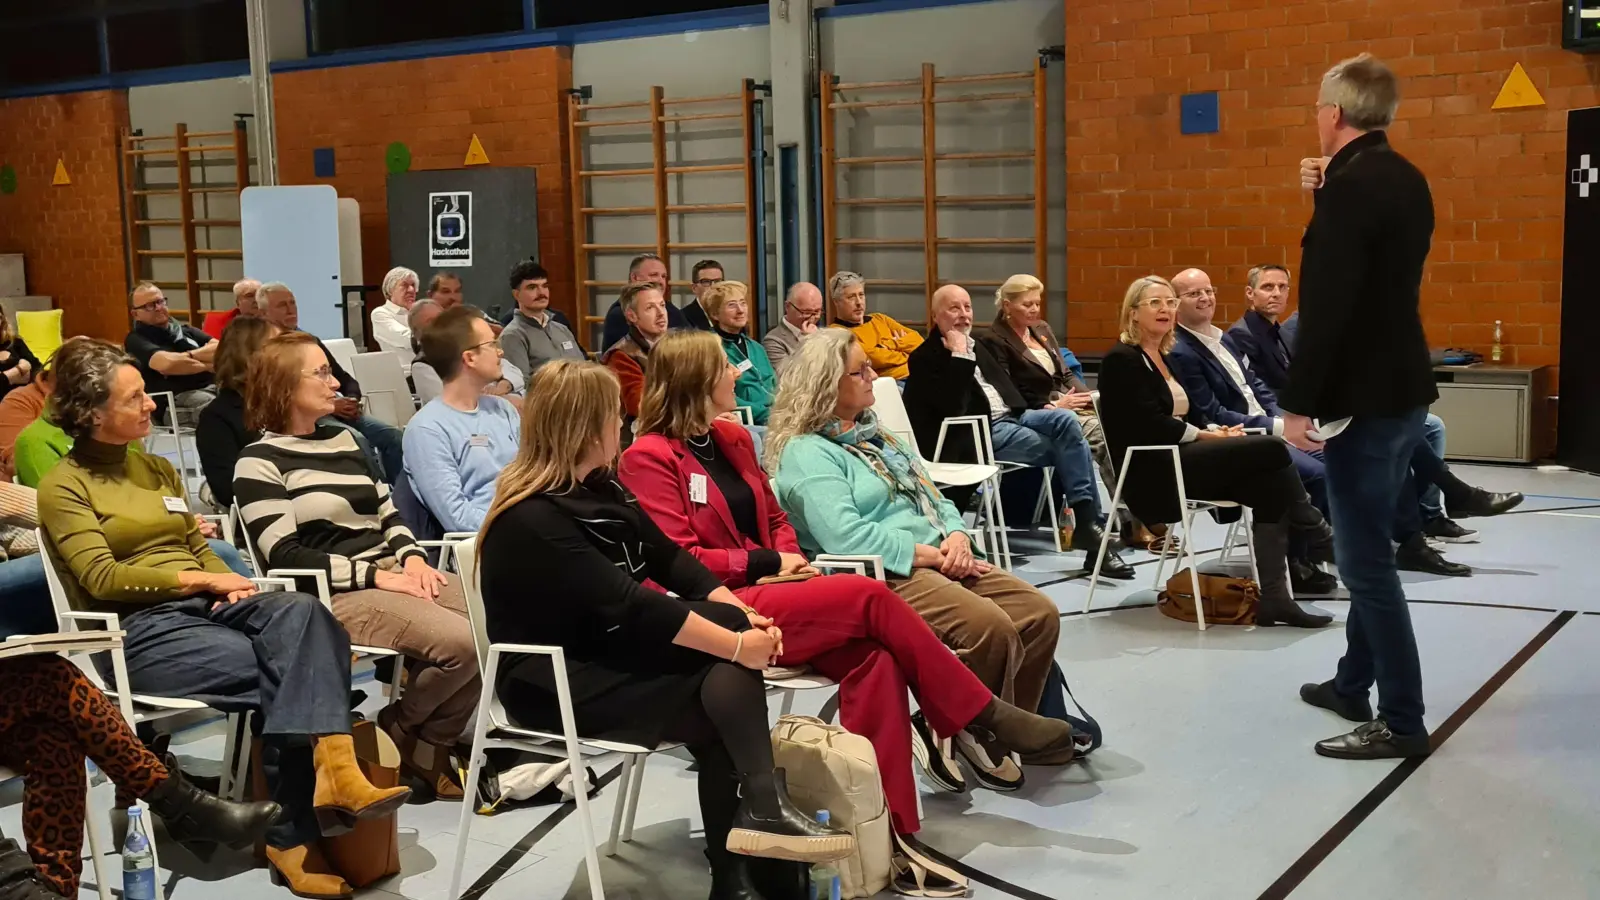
(887, 342)
(645, 308)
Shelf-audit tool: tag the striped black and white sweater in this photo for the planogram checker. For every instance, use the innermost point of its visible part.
(311, 502)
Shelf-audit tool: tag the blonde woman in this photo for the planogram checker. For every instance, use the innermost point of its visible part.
(569, 558)
(727, 303)
(852, 488)
(391, 326)
(1142, 404)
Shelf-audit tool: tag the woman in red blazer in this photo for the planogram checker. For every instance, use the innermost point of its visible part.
(697, 476)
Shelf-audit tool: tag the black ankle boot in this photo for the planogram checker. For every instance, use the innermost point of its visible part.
(194, 816)
(768, 824)
(19, 879)
(730, 876)
(1278, 607)
(1313, 531)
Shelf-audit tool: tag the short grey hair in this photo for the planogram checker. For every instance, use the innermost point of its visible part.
(245, 286)
(417, 309)
(1364, 89)
(272, 287)
(397, 276)
(83, 369)
(841, 281)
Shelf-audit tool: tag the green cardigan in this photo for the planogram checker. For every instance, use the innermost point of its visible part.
(838, 504)
(39, 447)
(757, 382)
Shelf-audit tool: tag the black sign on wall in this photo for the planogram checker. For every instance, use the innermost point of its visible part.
(450, 229)
(474, 223)
(1578, 428)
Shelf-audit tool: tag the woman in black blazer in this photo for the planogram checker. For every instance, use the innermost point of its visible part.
(568, 558)
(18, 365)
(1141, 404)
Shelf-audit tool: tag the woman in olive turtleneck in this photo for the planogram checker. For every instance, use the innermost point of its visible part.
(727, 303)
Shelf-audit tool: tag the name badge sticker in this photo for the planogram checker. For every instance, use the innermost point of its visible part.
(175, 504)
(566, 345)
(697, 487)
(745, 366)
(478, 440)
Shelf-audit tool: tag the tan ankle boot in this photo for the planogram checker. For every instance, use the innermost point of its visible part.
(343, 793)
(305, 873)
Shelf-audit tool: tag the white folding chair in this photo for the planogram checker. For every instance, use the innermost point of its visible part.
(492, 729)
(381, 374)
(174, 431)
(983, 440)
(343, 350)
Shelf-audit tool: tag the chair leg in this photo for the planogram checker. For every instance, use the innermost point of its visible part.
(1250, 545)
(1001, 545)
(230, 747)
(1194, 570)
(469, 803)
(1050, 504)
(1161, 561)
(633, 798)
(395, 687)
(97, 851)
(1105, 543)
(241, 773)
(786, 705)
(622, 798)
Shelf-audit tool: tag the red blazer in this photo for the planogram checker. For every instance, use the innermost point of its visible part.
(657, 469)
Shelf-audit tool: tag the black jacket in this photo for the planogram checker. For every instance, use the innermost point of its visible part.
(15, 352)
(220, 436)
(1037, 386)
(1265, 345)
(941, 385)
(1363, 350)
(1136, 410)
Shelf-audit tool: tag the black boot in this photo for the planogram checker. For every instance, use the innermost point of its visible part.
(1086, 537)
(1308, 580)
(19, 879)
(1271, 542)
(730, 876)
(1311, 530)
(194, 816)
(769, 824)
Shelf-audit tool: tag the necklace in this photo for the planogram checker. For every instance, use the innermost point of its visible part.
(703, 441)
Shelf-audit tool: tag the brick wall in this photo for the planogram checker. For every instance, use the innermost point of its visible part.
(71, 235)
(515, 101)
(1143, 198)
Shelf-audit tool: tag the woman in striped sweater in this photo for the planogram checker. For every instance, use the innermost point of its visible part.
(311, 501)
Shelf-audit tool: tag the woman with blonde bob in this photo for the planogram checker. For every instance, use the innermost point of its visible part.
(698, 478)
(727, 304)
(1142, 404)
(851, 488)
(644, 667)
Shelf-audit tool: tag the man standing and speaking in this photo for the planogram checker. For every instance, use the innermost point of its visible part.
(1361, 276)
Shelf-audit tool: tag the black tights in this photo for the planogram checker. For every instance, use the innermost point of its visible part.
(727, 734)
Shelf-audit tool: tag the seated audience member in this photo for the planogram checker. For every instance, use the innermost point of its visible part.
(51, 718)
(850, 488)
(221, 435)
(705, 273)
(534, 338)
(391, 329)
(888, 343)
(171, 356)
(1142, 404)
(18, 365)
(1258, 336)
(444, 289)
(802, 307)
(728, 305)
(646, 310)
(699, 479)
(644, 667)
(1223, 387)
(646, 267)
(458, 443)
(310, 502)
(25, 605)
(19, 409)
(954, 375)
(245, 304)
(195, 630)
(378, 439)
(429, 386)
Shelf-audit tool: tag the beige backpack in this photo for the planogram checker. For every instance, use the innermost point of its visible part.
(830, 768)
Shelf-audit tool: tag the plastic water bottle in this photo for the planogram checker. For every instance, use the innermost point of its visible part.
(138, 861)
(824, 877)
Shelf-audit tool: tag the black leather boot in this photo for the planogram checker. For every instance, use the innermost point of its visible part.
(19, 879)
(1271, 542)
(1086, 537)
(730, 876)
(194, 816)
(768, 824)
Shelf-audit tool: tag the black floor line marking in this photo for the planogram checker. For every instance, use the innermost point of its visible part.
(1519, 512)
(1324, 847)
(1084, 573)
(1468, 603)
(980, 876)
(513, 856)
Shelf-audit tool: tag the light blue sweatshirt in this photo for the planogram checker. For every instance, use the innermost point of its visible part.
(453, 458)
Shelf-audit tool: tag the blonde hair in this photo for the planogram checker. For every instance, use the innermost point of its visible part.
(1130, 302)
(578, 400)
(682, 371)
(1015, 287)
(1365, 90)
(808, 393)
(719, 294)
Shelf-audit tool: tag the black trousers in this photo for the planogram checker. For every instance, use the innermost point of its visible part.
(1255, 471)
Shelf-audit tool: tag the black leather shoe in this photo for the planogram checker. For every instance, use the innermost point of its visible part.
(1480, 502)
(1088, 539)
(1307, 580)
(194, 816)
(1416, 556)
(1448, 531)
(1355, 709)
(1111, 567)
(1374, 740)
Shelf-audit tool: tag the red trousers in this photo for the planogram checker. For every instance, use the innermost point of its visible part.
(859, 633)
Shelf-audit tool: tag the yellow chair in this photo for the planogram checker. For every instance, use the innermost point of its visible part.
(41, 330)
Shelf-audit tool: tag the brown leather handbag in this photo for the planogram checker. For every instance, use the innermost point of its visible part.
(1228, 601)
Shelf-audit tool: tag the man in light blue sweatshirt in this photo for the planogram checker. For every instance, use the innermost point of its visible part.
(456, 445)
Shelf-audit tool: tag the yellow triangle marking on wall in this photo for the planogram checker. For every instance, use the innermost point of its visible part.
(475, 154)
(61, 173)
(1518, 91)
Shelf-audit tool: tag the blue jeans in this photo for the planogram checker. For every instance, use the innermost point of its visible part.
(1432, 500)
(380, 440)
(1050, 437)
(1367, 466)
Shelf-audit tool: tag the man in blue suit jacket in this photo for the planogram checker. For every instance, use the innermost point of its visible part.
(1258, 335)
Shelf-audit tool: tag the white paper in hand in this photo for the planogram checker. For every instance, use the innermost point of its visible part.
(1322, 432)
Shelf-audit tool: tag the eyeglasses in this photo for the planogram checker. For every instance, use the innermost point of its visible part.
(865, 374)
(802, 310)
(159, 301)
(736, 304)
(492, 343)
(323, 374)
(705, 282)
(1197, 293)
(1159, 302)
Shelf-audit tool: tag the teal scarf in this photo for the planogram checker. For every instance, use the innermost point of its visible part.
(891, 460)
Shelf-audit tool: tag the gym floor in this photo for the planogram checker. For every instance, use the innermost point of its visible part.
(1207, 786)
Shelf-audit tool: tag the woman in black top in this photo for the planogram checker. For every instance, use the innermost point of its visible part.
(565, 553)
(220, 433)
(18, 365)
(1141, 404)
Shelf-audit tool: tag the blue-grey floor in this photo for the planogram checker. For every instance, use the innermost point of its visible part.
(1207, 786)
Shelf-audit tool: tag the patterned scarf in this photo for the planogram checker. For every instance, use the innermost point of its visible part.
(887, 457)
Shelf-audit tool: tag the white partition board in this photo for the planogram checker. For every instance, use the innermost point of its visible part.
(291, 234)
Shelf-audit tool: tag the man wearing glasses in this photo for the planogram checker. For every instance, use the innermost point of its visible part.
(172, 356)
(802, 307)
(705, 273)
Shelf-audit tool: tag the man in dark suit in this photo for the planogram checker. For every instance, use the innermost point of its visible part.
(951, 374)
(1222, 384)
(1258, 335)
(1361, 269)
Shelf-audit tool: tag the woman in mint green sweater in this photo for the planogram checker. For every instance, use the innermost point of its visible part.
(727, 303)
(851, 488)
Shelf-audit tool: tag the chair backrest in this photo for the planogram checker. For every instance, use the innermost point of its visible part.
(250, 549)
(53, 580)
(891, 410)
(41, 329)
(466, 556)
(381, 373)
(343, 350)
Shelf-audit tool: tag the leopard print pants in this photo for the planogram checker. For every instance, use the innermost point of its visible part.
(51, 718)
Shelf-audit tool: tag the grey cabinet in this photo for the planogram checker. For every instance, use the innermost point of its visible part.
(1496, 413)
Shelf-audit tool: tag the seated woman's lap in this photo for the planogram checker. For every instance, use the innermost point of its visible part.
(1232, 469)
